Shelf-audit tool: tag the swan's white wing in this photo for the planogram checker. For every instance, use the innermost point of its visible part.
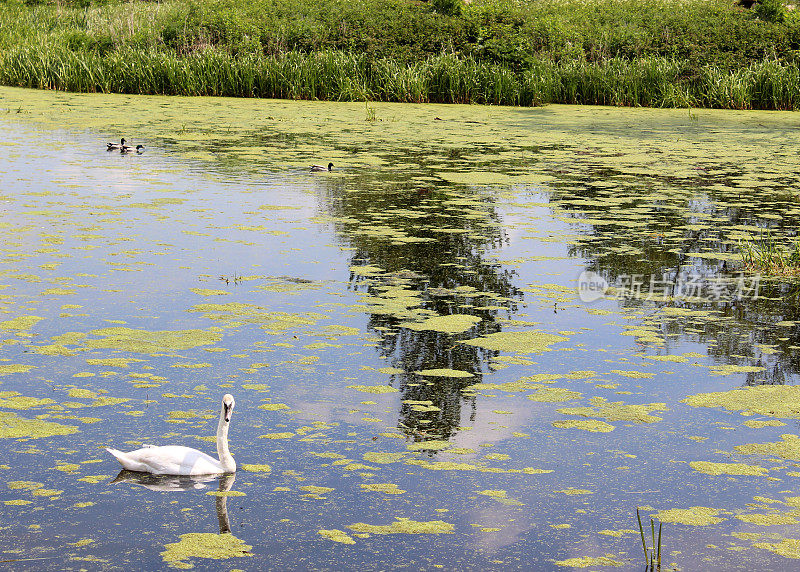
(169, 460)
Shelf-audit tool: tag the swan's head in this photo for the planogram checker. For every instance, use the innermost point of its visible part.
(122, 141)
(330, 166)
(228, 403)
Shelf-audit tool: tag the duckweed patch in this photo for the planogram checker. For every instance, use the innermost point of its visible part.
(374, 388)
(405, 526)
(788, 547)
(151, 342)
(22, 323)
(8, 369)
(617, 411)
(237, 314)
(767, 519)
(593, 426)
(383, 458)
(444, 372)
(262, 468)
(772, 400)
(15, 400)
(519, 342)
(454, 324)
(14, 427)
(588, 561)
(787, 448)
(501, 496)
(203, 545)
(694, 516)
(554, 395)
(385, 488)
(337, 535)
(711, 468)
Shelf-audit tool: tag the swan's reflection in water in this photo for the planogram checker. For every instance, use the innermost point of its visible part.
(174, 483)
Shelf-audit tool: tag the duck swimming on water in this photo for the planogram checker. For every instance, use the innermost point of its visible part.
(322, 167)
(115, 146)
(178, 460)
(126, 149)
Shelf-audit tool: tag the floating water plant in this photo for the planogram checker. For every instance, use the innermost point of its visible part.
(652, 555)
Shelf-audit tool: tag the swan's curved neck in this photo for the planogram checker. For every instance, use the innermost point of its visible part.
(225, 457)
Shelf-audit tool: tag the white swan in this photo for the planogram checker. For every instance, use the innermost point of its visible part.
(177, 460)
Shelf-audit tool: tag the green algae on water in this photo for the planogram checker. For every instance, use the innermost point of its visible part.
(236, 314)
(772, 400)
(432, 445)
(273, 406)
(592, 425)
(787, 448)
(262, 468)
(337, 535)
(373, 388)
(8, 369)
(405, 526)
(454, 324)
(14, 427)
(208, 292)
(203, 545)
(444, 372)
(767, 519)
(386, 488)
(710, 468)
(20, 323)
(112, 362)
(788, 547)
(587, 561)
(694, 516)
(617, 411)
(554, 395)
(15, 400)
(277, 435)
(150, 342)
(521, 342)
(383, 458)
(501, 496)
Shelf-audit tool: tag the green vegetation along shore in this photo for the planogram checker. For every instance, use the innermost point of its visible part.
(661, 53)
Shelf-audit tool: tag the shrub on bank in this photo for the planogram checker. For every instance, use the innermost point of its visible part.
(619, 52)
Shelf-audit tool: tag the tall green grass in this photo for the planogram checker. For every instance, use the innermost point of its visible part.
(447, 78)
(768, 256)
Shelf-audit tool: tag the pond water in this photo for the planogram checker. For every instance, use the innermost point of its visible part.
(419, 381)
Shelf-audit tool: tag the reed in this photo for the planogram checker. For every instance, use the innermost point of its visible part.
(445, 78)
(652, 555)
(770, 257)
(509, 52)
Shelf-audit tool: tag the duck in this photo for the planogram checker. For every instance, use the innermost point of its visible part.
(179, 460)
(115, 146)
(127, 149)
(322, 167)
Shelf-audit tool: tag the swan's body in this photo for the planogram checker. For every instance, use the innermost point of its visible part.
(322, 167)
(178, 460)
(115, 146)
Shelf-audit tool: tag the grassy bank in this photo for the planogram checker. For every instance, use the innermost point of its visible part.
(704, 53)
